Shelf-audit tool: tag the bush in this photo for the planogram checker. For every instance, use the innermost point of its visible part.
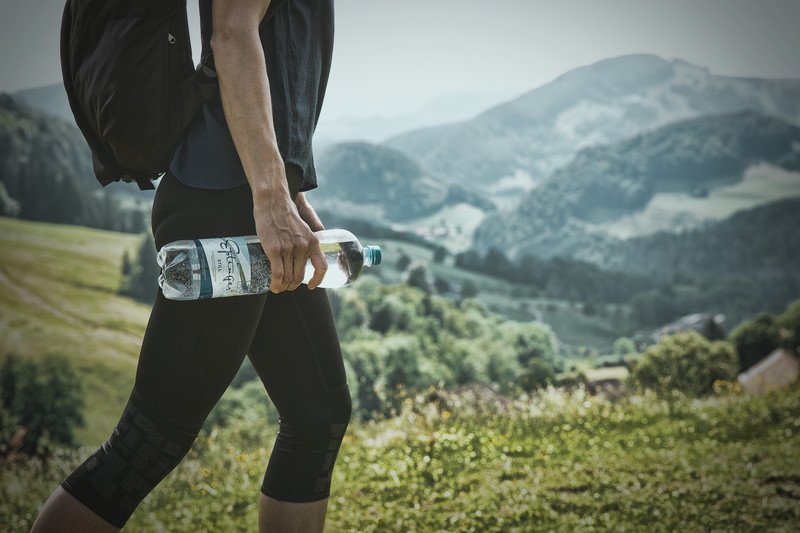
(249, 403)
(789, 327)
(624, 346)
(40, 404)
(538, 373)
(685, 362)
(531, 341)
(755, 339)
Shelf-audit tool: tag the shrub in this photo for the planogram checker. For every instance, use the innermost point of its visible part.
(42, 404)
(531, 341)
(248, 402)
(685, 362)
(538, 373)
(789, 327)
(624, 346)
(755, 339)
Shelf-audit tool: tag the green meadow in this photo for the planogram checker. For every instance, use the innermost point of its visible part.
(465, 459)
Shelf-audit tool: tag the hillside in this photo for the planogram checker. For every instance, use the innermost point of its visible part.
(46, 174)
(514, 146)
(58, 295)
(377, 182)
(51, 99)
(762, 242)
(673, 178)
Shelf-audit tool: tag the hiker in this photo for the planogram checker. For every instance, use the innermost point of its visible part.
(241, 169)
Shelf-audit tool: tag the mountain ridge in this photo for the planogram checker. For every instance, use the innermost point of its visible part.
(691, 158)
(542, 129)
(382, 182)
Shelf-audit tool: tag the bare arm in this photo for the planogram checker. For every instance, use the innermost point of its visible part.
(244, 89)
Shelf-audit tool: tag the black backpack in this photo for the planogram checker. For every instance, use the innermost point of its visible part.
(131, 84)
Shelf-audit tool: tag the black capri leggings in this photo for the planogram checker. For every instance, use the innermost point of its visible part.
(191, 352)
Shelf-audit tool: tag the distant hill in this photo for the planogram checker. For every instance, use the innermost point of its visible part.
(378, 182)
(46, 174)
(51, 99)
(513, 146)
(671, 178)
(761, 242)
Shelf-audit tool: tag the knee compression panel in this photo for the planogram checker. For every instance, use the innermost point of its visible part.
(301, 465)
(140, 452)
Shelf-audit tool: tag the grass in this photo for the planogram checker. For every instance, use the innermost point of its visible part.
(554, 461)
(75, 271)
(563, 461)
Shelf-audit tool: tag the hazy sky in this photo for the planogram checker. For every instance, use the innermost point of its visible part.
(391, 58)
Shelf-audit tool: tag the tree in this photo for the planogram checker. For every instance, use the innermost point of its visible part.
(142, 282)
(418, 277)
(439, 253)
(126, 264)
(403, 261)
(441, 285)
(366, 358)
(353, 312)
(685, 362)
(530, 341)
(469, 289)
(789, 327)
(42, 403)
(755, 339)
(624, 346)
(390, 312)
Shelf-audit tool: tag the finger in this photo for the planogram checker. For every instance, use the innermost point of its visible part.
(286, 259)
(276, 263)
(309, 215)
(299, 267)
(316, 223)
(320, 267)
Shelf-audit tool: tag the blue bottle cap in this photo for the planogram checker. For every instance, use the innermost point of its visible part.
(373, 251)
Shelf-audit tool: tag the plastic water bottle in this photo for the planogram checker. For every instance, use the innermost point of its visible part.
(233, 266)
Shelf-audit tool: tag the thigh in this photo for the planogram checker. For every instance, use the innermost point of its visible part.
(296, 350)
(192, 349)
(190, 353)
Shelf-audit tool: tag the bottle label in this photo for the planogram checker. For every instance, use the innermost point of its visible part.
(226, 269)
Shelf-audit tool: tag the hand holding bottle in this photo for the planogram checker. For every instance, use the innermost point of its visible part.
(289, 243)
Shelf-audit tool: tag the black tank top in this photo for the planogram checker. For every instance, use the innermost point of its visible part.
(297, 37)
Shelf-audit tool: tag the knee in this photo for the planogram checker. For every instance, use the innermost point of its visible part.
(306, 448)
(323, 417)
(339, 410)
(140, 452)
(341, 406)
